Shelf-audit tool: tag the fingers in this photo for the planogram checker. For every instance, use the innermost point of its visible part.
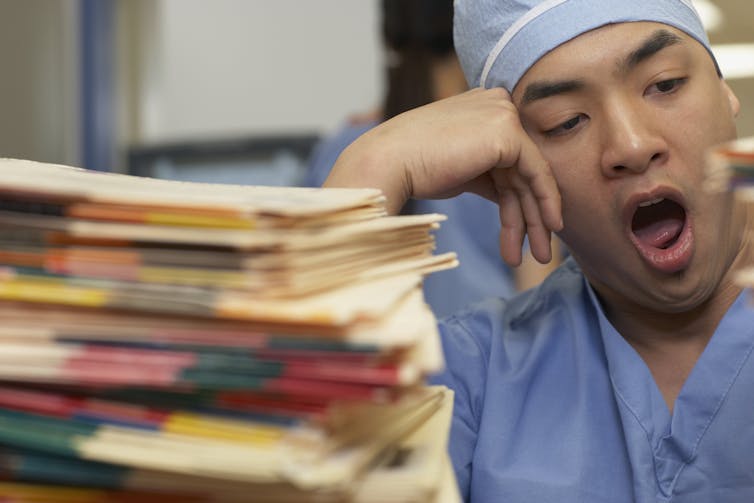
(520, 215)
(539, 234)
(529, 203)
(541, 185)
(512, 228)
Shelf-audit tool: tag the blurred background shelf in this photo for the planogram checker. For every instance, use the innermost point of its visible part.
(257, 160)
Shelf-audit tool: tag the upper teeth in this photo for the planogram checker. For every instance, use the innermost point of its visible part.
(650, 203)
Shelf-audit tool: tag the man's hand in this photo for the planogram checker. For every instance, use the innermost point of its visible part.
(473, 142)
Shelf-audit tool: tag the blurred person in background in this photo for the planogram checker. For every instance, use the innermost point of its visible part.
(422, 67)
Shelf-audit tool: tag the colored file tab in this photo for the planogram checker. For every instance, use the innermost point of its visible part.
(28, 493)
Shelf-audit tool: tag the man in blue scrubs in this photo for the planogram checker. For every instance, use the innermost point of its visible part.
(627, 375)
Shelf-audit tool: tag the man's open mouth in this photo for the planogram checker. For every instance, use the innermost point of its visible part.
(661, 232)
(658, 223)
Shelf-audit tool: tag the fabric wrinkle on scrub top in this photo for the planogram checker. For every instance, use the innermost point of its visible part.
(472, 231)
(553, 405)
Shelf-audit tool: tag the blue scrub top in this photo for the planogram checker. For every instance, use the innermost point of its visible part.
(472, 230)
(553, 405)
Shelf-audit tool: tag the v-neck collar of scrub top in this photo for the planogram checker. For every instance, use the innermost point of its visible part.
(674, 438)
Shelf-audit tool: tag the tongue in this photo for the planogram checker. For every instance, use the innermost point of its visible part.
(660, 233)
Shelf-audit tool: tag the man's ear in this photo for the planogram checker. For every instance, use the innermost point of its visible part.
(735, 104)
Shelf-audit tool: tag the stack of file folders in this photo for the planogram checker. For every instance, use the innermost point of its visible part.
(171, 341)
(730, 167)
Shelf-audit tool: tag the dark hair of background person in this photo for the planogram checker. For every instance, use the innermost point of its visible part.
(415, 33)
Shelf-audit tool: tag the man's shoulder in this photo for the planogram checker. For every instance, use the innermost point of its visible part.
(505, 341)
(528, 313)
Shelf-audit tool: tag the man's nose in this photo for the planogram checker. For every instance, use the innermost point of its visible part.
(631, 139)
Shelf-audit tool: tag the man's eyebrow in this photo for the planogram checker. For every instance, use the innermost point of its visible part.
(540, 90)
(656, 42)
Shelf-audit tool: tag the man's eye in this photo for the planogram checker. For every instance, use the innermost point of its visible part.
(666, 86)
(565, 127)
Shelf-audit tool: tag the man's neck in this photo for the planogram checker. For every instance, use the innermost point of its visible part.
(671, 343)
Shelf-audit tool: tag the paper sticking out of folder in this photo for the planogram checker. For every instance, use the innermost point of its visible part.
(205, 342)
(730, 167)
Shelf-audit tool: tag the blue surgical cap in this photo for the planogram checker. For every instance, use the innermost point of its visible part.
(497, 41)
